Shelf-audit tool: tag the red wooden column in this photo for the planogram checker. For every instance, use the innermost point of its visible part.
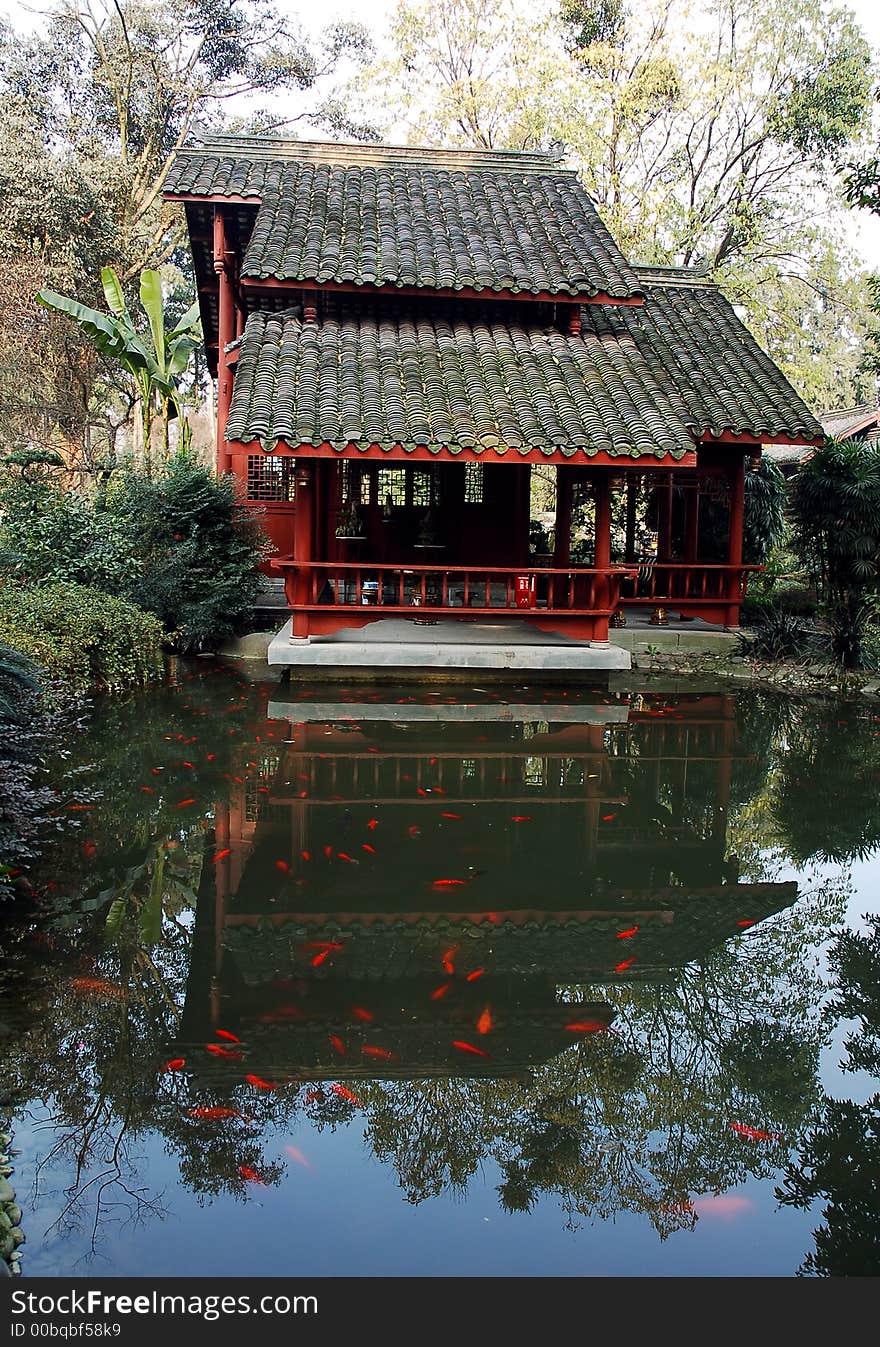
(303, 535)
(602, 550)
(562, 539)
(225, 334)
(735, 537)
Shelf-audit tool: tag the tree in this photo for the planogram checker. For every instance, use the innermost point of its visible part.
(836, 508)
(155, 365)
(705, 144)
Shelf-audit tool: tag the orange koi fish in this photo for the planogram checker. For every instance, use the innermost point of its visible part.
(259, 1083)
(448, 965)
(468, 1047)
(754, 1133)
(250, 1175)
(181, 804)
(586, 1027)
(627, 934)
(725, 1205)
(745, 923)
(224, 1033)
(337, 1043)
(477, 973)
(297, 1155)
(484, 1023)
(369, 1051)
(627, 963)
(214, 1114)
(345, 1094)
(440, 991)
(176, 1064)
(221, 855)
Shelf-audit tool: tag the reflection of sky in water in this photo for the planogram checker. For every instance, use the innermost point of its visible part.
(554, 835)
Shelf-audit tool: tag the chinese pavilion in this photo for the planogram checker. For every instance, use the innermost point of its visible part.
(402, 336)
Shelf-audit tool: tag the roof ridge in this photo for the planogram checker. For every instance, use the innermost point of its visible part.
(365, 155)
(669, 275)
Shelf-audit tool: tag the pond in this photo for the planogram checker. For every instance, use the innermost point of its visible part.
(481, 980)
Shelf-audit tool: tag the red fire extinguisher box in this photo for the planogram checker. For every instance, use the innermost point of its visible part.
(524, 591)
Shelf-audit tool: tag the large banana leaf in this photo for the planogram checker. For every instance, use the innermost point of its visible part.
(188, 323)
(113, 293)
(151, 299)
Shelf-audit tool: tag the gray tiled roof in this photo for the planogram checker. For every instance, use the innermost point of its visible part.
(636, 381)
(372, 378)
(430, 219)
(715, 369)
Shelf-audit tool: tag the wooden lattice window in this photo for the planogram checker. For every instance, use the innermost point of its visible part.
(362, 475)
(269, 477)
(473, 484)
(392, 482)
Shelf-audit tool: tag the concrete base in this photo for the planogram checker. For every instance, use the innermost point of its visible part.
(397, 644)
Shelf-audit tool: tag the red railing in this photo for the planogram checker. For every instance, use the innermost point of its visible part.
(691, 582)
(317, 586)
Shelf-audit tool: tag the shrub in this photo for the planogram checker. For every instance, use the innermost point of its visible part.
(777, 634)
(83, 639)
(49, 534)
(199, 546)
(23, 733)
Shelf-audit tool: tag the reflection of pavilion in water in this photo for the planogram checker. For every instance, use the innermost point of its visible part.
(387, 861)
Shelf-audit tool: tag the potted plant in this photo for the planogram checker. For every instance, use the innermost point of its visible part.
(349, 524)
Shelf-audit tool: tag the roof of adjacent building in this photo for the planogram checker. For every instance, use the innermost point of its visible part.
(843, 422)
(378, 216)
(635, 381)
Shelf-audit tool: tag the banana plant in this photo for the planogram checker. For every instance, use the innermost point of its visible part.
(154, 361)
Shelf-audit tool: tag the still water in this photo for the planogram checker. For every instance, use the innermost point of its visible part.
(479, 981)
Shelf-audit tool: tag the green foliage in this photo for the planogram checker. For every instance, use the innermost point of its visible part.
(776, 634)
(764, 516)
(23, 737)
(84, 639)
(50, 534)
(199, 547)
(836, 510)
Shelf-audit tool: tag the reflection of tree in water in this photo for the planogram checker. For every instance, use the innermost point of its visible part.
(839, 1161)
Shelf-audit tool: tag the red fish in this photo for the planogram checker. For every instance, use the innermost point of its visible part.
(448, 965)
(89, 849)
(343, 856)
(328, 851)
(477, 973)
(345, 1094)
(181, 804)
(214, 1114)
(369, 1051)
(250, 1175)
(448, 815)
(148, 790)
(440, 991)
(224, 1033)
(449, 884)
(297, 1155)
(282, 866)
(754, 1133)
(745, 923)
(521, 818)
(97, 986)
(176, 1064)
(337, 1043)
(260, 1083)
(319, 958)
(628, 933)
(221, 855)
(216, 1049)
(469, 1047)
(306, 855)
(586, 1027)
(484, 1023)
(606, 818)
(365, 846)
(627, 963)
(373, 823)
(361, 1014)
(414, 830)
(726, 1205)
(189, 764)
